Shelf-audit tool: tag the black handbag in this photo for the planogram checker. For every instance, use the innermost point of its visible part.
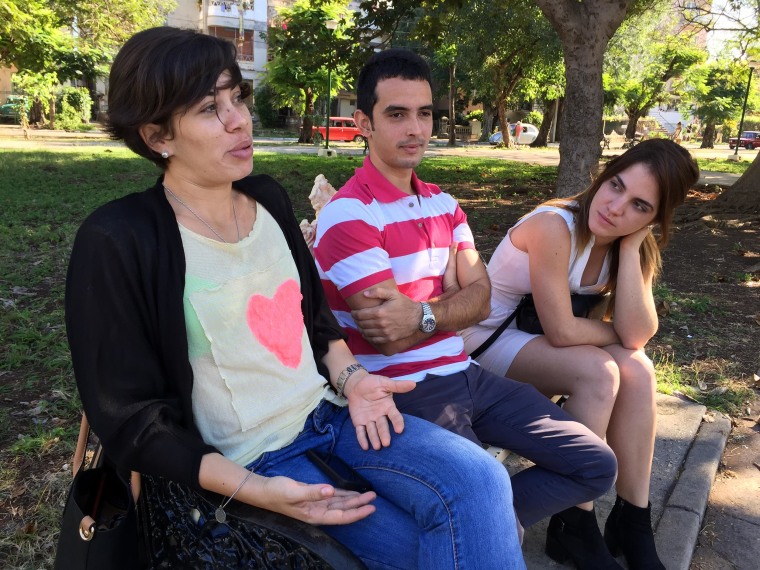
(179, 530)
(172, 526)
(99, 523)
(527, 317)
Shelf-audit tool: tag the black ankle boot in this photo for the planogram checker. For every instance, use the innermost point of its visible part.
(574, 534)
(629, 530)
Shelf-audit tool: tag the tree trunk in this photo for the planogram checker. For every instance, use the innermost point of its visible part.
(92, 88)
(743, 195)
(546, 124)
(581, 123)
(503, 124)
(452, 104)
(487, 122)
(308, 120)
(708, 135)
(52, 112)
(584, 28)
(633, 121)
(558, 126)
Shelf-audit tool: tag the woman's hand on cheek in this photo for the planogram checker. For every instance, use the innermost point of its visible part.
(635, 239)
(316, 504)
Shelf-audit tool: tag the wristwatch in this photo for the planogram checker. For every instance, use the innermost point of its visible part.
(427, 324)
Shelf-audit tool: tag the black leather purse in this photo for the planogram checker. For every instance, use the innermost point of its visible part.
(173, 526)
(99, 523)
(528, 321)
(527, 317)
(178, 529)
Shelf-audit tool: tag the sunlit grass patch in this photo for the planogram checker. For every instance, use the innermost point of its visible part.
(709, 381)
(723, 165)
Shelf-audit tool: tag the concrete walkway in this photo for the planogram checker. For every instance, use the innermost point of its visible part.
(687, 453)
(11, 136)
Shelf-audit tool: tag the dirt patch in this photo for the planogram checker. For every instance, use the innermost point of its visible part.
(709, 288)
(713, 266)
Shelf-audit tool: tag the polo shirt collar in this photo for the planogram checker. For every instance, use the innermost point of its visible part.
(381, 189)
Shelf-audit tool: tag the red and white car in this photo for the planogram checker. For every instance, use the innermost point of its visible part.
(749, 140)
(341, 129)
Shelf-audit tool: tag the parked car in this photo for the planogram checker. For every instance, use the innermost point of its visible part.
(341, 129)
(527, 136)
(11, 109)
(749, 140)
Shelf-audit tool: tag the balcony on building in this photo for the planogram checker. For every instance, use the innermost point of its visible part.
(226, 15)
(223, 21)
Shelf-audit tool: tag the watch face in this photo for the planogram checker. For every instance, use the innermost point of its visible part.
(428, 324)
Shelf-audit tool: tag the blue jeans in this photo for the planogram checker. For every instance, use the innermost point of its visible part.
(442, 502)
(572, 465)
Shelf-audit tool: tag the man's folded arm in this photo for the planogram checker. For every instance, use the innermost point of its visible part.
(390, 320)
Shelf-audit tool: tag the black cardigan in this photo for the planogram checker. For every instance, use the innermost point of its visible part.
(126, 327)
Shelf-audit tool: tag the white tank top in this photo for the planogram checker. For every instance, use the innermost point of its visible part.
(509, 272)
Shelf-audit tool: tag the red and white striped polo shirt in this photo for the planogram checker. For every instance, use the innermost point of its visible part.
(370, 232)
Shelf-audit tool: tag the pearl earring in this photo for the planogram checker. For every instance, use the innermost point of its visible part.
(165, 154)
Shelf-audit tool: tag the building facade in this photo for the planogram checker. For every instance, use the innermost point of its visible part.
(244, 23)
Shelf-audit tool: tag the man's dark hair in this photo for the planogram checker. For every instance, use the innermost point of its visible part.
(386, 65)
(159, 72)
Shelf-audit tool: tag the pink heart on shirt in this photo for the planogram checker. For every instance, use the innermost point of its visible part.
(277, 323)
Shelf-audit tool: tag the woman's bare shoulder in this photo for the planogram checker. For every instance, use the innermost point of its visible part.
(542, 226)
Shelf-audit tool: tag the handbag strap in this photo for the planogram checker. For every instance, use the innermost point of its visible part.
(497, 333)
(79, 454)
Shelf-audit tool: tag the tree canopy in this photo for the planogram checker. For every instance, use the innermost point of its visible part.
(74, 38)
(648, 62)
(304, 50)
(742, 19)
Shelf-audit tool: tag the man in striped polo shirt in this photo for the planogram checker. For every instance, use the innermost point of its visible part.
(383, 246)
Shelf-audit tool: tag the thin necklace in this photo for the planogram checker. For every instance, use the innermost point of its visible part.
(205, 223)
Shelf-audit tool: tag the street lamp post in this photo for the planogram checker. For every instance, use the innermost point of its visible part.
(752, 66)
(327, 113)
(331, 25)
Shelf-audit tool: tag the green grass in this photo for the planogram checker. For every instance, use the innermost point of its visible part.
(723, 165)
(698, 304)
(707, 381)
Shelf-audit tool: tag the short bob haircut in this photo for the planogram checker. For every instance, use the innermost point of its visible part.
(162, 71)
(387, 64)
